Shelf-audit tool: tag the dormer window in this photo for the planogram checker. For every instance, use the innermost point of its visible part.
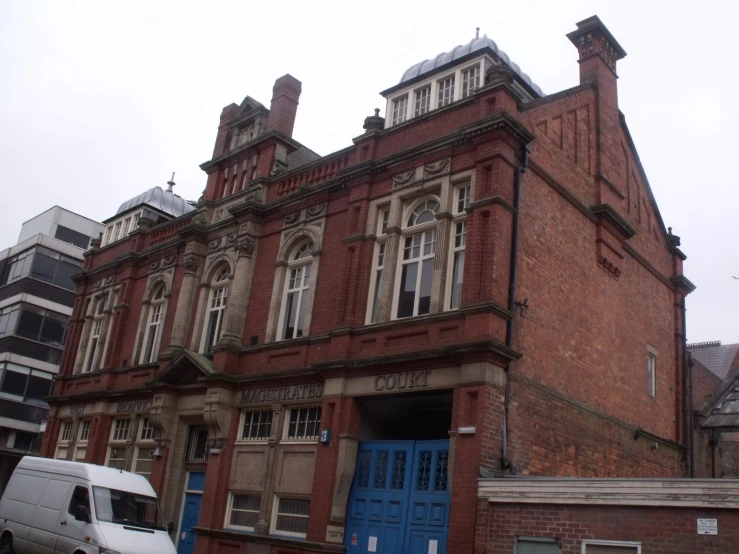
(470, 80)
(446, 91)
(400, 109)
(423, 100)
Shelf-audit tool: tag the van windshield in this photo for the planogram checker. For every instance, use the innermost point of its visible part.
(127, 508)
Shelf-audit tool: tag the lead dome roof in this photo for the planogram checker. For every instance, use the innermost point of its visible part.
(481, 43)
(163, 200)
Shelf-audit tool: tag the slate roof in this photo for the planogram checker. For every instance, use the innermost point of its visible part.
(301, 156)
(716, 357)
(725, 412)
(163, 200)
(476, 44)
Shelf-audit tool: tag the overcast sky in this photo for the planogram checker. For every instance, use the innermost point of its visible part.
(100, 100)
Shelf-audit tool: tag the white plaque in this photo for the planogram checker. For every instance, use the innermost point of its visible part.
(707, 526)
(433, 546)
(372, 544)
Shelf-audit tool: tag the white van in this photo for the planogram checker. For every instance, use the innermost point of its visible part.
(55, 506)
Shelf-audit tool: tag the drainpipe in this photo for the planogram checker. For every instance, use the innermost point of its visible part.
(522, 166)
(713, 441)
(688, 396)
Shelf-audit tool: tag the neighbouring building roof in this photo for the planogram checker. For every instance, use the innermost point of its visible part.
(160, 199)
(479, 43)
(718, 358)
(725, 413)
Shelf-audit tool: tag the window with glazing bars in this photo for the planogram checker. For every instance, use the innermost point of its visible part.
(197, 446)
(446, 91)
(423, 101)
(147, 430)
(257, 425)
(121, 429)
(470, 80)
(85, 427)
(400, 108)
(66, 434)
(304, 423)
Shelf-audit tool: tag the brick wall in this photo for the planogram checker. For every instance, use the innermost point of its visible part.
(658, 529)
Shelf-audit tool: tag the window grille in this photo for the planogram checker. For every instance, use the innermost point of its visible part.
(197, 446)
(257, 425)
(304, 423)
(292, 516)
(244, 511)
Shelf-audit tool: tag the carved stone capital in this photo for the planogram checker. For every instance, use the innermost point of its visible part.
(191, 263)
(243, 246)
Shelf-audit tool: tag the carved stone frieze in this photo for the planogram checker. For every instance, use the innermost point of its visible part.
(219, 215)
(437, 168)
(106, 282)
(404, 178)
(291, 218)
(255, 194)
(498, 73)
(215, 244)
(315, 211)
(163, 263)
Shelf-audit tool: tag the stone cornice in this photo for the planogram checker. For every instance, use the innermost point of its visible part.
(681, 493)
(608, 213)
(683, 284)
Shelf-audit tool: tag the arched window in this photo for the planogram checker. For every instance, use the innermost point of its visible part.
(152, 325)
(215, 309)
(292, 323)
(95, 343)
(416, 268)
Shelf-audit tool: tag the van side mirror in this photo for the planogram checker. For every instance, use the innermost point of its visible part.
(83, 514)
(170, 527)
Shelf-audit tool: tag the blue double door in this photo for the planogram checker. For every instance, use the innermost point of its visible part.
(399, 500)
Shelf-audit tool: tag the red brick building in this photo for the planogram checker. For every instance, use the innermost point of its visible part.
(325, 353)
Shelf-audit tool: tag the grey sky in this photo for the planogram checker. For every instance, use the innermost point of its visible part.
(99, 102)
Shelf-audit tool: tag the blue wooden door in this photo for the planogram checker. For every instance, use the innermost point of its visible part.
(399, 501)
(428, 508)
(190, 512)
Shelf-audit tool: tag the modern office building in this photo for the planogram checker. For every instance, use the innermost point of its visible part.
(36, 299)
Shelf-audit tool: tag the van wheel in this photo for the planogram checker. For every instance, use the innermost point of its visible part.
(6, 545)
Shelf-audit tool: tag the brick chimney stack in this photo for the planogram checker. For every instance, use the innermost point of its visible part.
(284, 107)
(598, 50)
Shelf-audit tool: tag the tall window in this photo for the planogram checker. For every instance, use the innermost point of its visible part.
(470, 80)
(651, 374)
(295, 296)
(379, 270)
(423, 101)
(152, 331)
(95, 343)
(144, 450)
(446, 91)
(216, 309)
(458, 243)
(417, 262)
(83, 437)
(400, 108)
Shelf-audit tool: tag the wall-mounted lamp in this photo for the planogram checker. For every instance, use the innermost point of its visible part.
(158, 452)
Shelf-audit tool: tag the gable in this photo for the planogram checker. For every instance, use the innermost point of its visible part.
(185, 369)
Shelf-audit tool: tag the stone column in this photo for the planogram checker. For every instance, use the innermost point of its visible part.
(384, 311)
(238, 296)
(184, 302)
(441, 259)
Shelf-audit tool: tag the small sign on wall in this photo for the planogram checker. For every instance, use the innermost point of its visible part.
(707, 526)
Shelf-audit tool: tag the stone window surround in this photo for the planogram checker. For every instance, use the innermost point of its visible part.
(304, 292)
(215, 264)
(432, 81)
(401, 203)
(163, 279)
(304, 228)
(133, 440)
(111, 295)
